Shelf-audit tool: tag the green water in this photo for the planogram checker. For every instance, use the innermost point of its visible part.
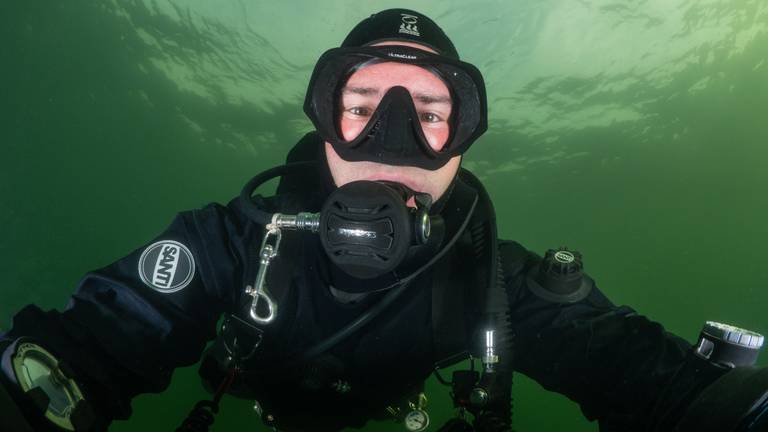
(634, 132)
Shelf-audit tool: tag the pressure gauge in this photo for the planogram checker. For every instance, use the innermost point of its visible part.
(34, 367)
(416, 420)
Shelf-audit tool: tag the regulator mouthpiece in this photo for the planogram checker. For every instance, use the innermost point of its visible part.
(367, 229)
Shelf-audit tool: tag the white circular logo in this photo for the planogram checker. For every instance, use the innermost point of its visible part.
(166, 266)
(564, 257)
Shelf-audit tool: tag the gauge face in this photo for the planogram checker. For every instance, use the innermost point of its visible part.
(35, 372)
(416, 420)
(35, 367)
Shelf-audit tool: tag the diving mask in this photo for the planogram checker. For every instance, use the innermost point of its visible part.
(394, 134)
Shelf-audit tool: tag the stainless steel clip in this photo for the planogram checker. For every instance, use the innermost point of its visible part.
(269, 249)
(259, 292)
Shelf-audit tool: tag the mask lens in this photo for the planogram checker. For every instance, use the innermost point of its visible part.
(425, 106)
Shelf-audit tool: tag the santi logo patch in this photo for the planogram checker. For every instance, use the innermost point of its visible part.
(166, 266)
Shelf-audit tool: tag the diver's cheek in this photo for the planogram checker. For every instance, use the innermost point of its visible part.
(342, 171)
(441, 178)
(350, 128)
(436, 137)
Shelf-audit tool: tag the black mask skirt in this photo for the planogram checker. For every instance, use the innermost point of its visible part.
(393, 134)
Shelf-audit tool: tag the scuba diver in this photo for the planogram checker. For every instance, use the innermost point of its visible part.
(374, 265)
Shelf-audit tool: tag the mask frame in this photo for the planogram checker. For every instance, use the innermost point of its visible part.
(467, 122)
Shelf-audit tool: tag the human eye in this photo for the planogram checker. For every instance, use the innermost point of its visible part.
(359, 111)
(430, 117)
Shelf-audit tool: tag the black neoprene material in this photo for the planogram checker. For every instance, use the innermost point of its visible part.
(401, 25)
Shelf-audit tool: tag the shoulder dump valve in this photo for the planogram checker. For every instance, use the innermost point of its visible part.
(559, 277)
(726, 344)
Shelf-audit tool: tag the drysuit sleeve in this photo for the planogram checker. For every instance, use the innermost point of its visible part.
(131, 323)
(615, 363)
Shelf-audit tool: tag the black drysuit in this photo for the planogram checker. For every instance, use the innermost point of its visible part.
(124, 337)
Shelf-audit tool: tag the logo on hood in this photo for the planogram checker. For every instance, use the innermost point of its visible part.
(408, 26)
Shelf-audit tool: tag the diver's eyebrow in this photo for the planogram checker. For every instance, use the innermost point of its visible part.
(432, 99)
(425, 98)
(362, 91)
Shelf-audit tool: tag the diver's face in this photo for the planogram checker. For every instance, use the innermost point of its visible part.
(432, 100)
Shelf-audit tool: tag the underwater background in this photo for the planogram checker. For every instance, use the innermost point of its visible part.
(634, 132)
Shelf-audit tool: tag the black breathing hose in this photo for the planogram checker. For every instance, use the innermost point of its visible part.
(497, 416)
(250, 208)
